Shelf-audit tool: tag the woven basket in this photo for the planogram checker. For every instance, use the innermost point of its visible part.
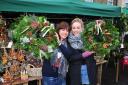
(33, 71)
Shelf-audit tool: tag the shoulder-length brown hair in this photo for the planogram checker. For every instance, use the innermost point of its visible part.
(62, 25)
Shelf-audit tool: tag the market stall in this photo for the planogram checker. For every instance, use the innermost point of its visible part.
(28, 31)
(60, 6)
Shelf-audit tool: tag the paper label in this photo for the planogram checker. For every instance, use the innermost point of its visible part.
(10, 44)
(58, 55)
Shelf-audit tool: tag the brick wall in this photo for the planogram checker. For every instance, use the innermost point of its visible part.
(121, 3)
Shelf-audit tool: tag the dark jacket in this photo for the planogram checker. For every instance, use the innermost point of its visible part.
(75, 61)
(48, 70)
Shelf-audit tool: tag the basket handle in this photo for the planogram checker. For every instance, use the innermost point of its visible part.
(30, 65)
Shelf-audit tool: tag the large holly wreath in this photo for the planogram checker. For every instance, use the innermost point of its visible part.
(31, 32)
(100, 36)
(2, 38)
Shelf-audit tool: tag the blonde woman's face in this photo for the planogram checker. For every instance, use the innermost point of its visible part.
(76, 28)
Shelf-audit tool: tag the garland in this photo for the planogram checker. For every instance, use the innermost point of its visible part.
(31, 32)
(101, 37)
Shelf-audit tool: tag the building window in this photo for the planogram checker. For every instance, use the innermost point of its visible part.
(126, 3)
(110, 2)
(88, 0)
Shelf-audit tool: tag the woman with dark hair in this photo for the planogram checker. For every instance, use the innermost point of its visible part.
(54, 70)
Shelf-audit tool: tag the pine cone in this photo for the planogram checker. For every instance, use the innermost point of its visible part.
(44, 48)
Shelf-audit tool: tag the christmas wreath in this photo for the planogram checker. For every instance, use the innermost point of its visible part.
(2, 38)
(100, 36)
(31, 32)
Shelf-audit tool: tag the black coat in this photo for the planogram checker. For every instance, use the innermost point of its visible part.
(75, 61)
(48, 69)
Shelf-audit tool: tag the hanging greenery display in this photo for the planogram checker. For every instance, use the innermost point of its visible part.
(3, 38)
(3, 31)
(100, 36)
(31, 32)
(124, 21)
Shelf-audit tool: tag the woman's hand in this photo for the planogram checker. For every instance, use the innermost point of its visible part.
(57, 63)
(57, 37)
(87, 54)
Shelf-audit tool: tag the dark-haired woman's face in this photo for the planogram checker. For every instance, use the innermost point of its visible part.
(63, 33)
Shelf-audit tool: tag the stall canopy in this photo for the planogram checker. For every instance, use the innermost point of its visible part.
(60, 6)
(124, 10)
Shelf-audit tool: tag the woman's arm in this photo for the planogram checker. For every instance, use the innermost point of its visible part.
(66, 52)
(70, 53)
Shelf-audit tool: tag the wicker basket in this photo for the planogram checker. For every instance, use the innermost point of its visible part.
(33, 71)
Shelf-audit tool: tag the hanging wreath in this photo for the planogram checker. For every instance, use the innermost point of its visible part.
(124, 22)
(3, 31)
(3, 38)
(31, 32)
(101, 37)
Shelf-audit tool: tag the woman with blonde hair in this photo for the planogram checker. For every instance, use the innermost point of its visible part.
(78, 58)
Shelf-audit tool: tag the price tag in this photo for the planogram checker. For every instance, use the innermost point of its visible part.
(122, 45)
(59, 55)
(10, 44)
(50, 49)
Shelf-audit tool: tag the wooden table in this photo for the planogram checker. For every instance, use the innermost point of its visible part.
(24, 82)
(99, 72)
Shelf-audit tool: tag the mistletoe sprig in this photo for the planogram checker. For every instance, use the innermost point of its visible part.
(100, 39)
(31, 32)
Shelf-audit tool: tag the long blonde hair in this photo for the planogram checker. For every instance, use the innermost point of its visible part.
(78, 20)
